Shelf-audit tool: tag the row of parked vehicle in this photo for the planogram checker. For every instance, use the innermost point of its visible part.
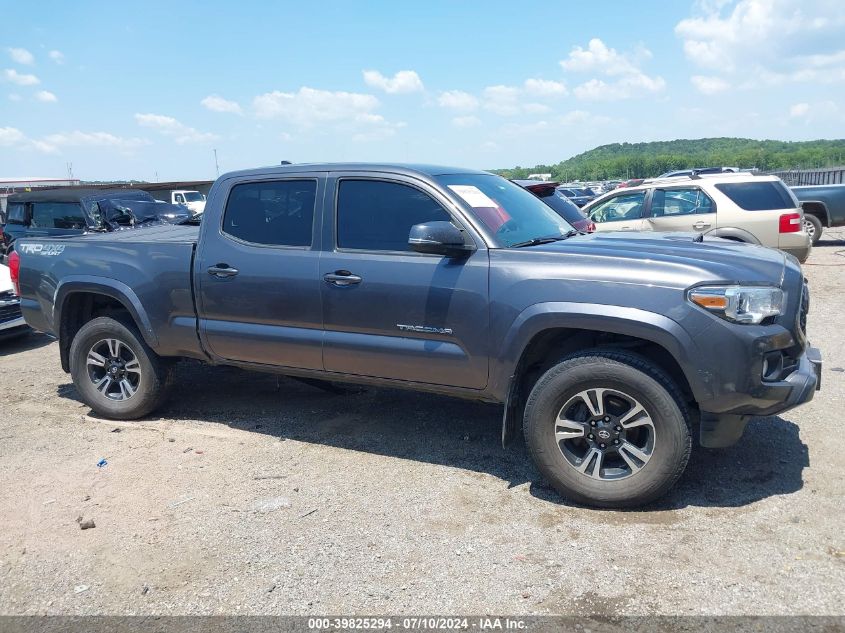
(726, 203)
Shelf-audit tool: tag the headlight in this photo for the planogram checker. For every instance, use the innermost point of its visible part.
(742, 304)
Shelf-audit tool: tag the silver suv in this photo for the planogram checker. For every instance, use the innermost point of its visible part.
(741, 207)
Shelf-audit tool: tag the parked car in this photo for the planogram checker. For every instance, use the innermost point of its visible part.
(141, 211)
(193, 200)
(740, 207)
(55, 212)
(563, 206)
(603, 347)
(579, 197)
(698, 171)
(824, 206)
(11, 320)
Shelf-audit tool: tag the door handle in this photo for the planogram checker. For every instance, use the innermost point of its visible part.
(624, 228)
(701, 225)
(222, 271)
(342, 278)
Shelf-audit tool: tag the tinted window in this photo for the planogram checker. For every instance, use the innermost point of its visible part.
(628, 206)
(378, 215)
(673, 202)
(57, 215)
(758, 196)
(276, 213)
(560, 203)
(16, 214)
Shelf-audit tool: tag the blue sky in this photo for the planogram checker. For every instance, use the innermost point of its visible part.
(148, 91)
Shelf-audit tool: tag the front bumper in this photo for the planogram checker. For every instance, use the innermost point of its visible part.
(719, 430)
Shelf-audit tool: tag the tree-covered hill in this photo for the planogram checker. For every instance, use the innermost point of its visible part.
(645, 160)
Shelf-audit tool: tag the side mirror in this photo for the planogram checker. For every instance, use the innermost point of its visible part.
(439, 238)
(118, 216)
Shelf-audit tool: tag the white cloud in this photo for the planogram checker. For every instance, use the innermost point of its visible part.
(51, 144)
(403, 81)
(21, 56)
(168, 126)
(457, 100)
(799, 110)
(57, 56)
(709, 84)
(598, 57)
(628, 87)
(20, 79)
(502, 100)
(769, 41)
(466, 121)
(545, 88)
(216, 103)
(809, 112)
(626, 80)
(78, 138)
(10, 136)
(46, 96)
(309, 106)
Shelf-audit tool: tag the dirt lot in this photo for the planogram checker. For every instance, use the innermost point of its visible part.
(253, 494)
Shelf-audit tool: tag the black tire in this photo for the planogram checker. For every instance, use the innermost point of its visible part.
(814, 227)
(153, 373)
(619, 372)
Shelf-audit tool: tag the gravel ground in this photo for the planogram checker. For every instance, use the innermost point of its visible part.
(260, 495)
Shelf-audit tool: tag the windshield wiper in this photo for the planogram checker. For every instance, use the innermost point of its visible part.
(535, 241)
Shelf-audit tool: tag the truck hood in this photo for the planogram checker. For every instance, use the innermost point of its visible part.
(670, 258)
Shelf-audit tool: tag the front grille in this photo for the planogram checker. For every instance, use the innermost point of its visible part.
(10, 307)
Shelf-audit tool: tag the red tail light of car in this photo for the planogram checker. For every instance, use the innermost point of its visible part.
(790, 223)
(15, 271)
(591, 227)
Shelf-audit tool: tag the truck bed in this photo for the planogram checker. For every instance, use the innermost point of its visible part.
(148, 270)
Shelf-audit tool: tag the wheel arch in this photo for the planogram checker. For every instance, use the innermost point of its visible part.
(733, 233)
(817, 208)
(80, 299)
(545, 333)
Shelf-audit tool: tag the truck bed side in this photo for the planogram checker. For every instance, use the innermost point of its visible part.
(146, 273)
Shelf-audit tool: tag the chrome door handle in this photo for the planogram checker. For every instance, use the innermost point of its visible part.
(222, 271)
(342, 278)
(700, 225)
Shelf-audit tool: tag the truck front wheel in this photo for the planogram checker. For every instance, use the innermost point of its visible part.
(608, 429)
(115, 371)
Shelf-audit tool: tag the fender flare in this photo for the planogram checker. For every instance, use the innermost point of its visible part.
(649, 326)
(73, 284)
(732, 233)
(825, 211)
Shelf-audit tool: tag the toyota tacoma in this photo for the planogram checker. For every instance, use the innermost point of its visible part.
(606, 350)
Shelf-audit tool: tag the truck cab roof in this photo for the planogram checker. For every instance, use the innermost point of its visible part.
(408, 169)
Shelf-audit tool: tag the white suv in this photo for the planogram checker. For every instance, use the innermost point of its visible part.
(741, 207)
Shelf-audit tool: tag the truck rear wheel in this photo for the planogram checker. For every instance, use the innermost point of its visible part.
(115, 371)
(608, 429)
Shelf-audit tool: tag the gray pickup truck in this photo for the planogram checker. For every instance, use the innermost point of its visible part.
(607, 349)
(824, 207)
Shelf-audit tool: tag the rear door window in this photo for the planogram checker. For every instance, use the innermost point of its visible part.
(758, 196)
(560, 203)
(57, 215)
(272, 212)
(675, 202)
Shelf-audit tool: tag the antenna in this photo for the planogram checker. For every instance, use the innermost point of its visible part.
(216, 164)
(69, 171)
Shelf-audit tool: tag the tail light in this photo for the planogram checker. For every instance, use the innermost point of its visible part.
(790, 223)
(15, 271)
(591, 227)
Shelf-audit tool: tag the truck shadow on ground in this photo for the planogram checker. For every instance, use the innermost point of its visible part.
(768, 461)
(23, 343)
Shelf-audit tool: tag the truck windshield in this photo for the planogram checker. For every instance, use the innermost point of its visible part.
(512, 214)
(193, 196)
